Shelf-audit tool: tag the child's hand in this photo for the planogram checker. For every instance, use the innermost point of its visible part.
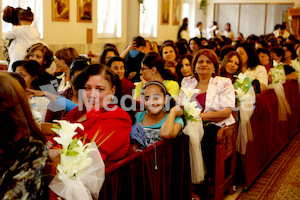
(177, 110)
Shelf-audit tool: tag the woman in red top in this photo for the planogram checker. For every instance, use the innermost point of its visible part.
(99, 113)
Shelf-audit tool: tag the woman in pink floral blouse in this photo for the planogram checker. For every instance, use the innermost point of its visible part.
(216, 98)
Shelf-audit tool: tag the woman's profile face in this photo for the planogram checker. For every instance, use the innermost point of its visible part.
(97, 92)
(241, 51)
(288, 54)
(108, 55)
(38, 56)
(118, 68)
(193, 45)
(169, 54)
(204, 66)
(264, 59)
(186, 69)
(27, 77)
(146, 73)
(154, 99)
(232, 65)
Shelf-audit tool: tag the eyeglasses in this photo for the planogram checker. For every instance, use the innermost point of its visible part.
(144, 68)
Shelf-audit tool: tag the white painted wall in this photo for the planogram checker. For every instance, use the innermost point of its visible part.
(63, 34)
(210, 7)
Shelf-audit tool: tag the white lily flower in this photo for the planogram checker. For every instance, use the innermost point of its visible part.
(296, 65)
(192, 110)
(66, 132)
(241, 77)
(240, 92)
(189, 92)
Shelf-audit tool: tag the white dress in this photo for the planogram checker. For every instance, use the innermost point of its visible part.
(259, 73)
(24, 36)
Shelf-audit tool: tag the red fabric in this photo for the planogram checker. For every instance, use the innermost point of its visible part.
(270, 135)
(127, 86)
(201, 100)
(113, 129)
(135, 177)
(268, 67)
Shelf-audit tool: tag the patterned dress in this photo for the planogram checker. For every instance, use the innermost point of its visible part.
(21, 169)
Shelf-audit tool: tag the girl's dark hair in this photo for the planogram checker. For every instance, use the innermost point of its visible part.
(104, 52)
(279, 52)
(179, 65)
(163, 89)
(265, 51)
(226, 60)
(48, 54)
(252, 58)
(153, 59)
(96, 69)
(211, 55)
(35, 70)
(25, 15)
(79, 64)
(15, 113)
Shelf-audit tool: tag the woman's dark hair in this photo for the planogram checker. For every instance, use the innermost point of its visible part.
(279, 52)
(226, 60)
(15, 113)
(163, 89)
(79, 64)
(265, 51)
(252, 58)
(212, 57)
(291, 49)
(169, 44)
(104, 52)
(155, 60)
(182, 47)
(264, 44)
(96, 69)
(196, 40)
(184, 26)
(35, 70)
(225, 50)
(229, 26)
(179, 65)
(48, 54)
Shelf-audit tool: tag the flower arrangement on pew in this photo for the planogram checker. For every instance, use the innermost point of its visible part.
(81, 171)
(278, 78)
(245, 101)
(194, 129)
(296, 65)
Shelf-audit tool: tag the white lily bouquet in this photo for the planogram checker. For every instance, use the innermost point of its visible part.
(194, 129)
(245, 101)
(81, 171)
(296, 65)
(278, 78)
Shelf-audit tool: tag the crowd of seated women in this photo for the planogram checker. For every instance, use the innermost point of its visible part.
(149, 77)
